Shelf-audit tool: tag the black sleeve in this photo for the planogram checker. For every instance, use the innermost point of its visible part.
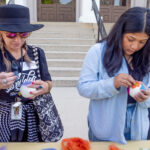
(45, 75)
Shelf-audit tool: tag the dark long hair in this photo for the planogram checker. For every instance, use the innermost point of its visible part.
(136, 19)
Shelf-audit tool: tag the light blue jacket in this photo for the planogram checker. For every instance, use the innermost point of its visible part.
(107, 110)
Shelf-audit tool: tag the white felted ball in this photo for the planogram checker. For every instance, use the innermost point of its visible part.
(135, 89)
(25, 90)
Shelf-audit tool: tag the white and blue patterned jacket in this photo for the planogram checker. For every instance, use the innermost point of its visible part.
(107, 110)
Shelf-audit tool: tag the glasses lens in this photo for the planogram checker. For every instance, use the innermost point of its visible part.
(24, 34)
(11, 34)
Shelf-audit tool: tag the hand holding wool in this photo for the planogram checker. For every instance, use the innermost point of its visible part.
(25, 90)
(139, 91)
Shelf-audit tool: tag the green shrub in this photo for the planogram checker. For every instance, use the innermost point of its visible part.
(47, 1)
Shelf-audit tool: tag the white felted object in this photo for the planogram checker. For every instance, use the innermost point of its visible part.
(25, 90)
(135, 89)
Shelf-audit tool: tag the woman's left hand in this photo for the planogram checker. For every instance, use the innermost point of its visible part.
(143, 95)
(41, 86)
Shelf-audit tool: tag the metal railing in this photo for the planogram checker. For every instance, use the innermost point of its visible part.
(101, 27)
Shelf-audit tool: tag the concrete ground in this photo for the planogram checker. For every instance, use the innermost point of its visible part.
(73, 110)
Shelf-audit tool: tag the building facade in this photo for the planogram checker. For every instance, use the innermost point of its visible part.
(77, 10)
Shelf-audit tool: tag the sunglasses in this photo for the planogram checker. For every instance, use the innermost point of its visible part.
(21, 34)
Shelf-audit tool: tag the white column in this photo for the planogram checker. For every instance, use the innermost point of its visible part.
(86, 12)
(21, 2)
(12, 1)
(32, 4)
(77, 10)
(32, 7)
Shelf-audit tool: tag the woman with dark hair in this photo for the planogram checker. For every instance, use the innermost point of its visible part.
(112, 66)
(21, 64)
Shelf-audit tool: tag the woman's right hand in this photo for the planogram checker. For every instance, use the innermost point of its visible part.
(7, 79)
(123, 79)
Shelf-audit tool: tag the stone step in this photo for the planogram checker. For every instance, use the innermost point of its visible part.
(108, 27)
(65, 55)
(66, 48)
(61, 35)
(66, 30)
(59, 41)
(65, 81)
(64, 72)
(66, 27)
(66, 24)
(65, 63)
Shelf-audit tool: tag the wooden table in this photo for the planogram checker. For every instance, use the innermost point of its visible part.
(94, 146)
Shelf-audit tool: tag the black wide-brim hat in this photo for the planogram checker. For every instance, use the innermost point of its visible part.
(16, 18)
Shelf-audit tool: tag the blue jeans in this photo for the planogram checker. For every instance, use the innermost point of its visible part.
(129, 114)
(127, 130)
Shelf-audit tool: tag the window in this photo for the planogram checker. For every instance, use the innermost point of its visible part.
(107, 2)
(114, 2)
(47, 1)
(64, 2)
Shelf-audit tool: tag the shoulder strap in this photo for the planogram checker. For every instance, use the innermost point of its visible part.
(36, 59)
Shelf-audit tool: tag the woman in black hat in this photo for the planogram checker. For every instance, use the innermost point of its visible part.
(17, 65)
